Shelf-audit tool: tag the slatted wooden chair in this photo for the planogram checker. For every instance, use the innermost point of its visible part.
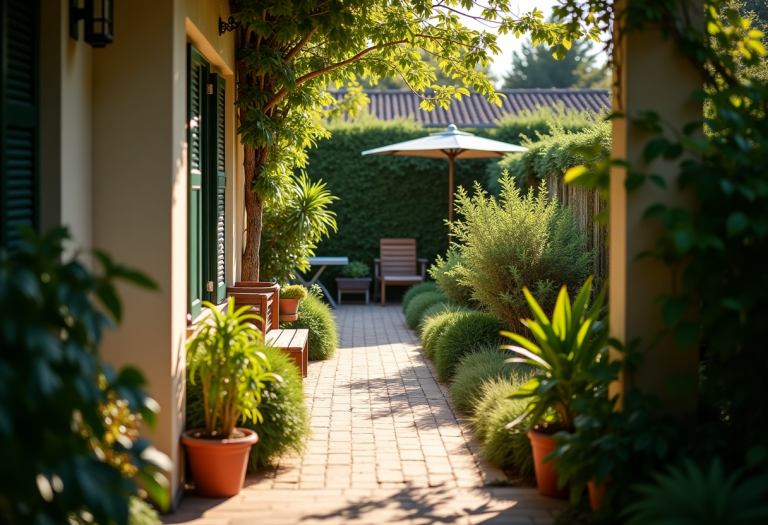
(396, 265)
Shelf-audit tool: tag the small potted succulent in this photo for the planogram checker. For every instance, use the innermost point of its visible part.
(225, 356)
(355, 279)
(571, 351)
(290, 297)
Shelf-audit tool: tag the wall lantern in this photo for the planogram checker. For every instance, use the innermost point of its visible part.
(97, 15)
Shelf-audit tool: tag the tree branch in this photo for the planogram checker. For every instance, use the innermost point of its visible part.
(295, 51)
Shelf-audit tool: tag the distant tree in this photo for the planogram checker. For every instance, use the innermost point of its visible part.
(536, 67)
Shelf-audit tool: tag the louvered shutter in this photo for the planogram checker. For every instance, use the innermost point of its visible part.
(197, 78)
(218, 186)
(19, 119)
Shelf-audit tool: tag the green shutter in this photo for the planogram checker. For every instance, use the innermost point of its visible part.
(197, 78)
(218, 185)
(19, 118)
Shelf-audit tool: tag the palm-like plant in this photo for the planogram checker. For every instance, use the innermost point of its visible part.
(225, 356)
(571, 352)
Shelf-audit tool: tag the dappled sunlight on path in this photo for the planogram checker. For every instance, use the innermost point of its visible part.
(386, 446)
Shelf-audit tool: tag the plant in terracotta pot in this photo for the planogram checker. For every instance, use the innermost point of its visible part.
(355, 278)
(290, 297)
(571, 350)
(225, 356)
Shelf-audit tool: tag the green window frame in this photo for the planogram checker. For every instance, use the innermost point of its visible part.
(19, 119)
(207, 257)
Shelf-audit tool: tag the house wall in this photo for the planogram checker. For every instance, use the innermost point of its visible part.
(114, 155)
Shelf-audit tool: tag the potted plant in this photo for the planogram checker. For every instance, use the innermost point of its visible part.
(225, 357)
(355, 279)
(572, 353)
(290, 297)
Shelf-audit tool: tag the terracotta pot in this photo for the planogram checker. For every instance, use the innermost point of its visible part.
(596, 493)
(289, 306)
(546, 478)
(218, 465)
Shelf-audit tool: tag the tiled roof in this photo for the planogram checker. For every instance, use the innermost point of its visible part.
(475, 111)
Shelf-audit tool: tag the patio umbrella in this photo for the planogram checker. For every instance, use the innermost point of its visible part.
(453, 144)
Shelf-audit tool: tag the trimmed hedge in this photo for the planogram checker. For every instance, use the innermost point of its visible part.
(438, 309)
(317, 316)
(418, 289)
(419, 304)
(286, 419)
(470, 332)
(480, 367)
(433, 329)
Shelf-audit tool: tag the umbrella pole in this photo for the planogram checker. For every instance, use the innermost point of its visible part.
(451, 158)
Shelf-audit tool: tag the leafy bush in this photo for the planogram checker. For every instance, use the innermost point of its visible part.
(293, 291)
(470, 332)
(317, 316)
(480, 367)
(419, 304)
(437, 309)
(418, 289)
(506, 448)
(433, 328)
(688, 494)
(54, 390)
(448, 281)
(141, 513)
(515, 242)
(285, 417)
(356, 270)
(530, 124)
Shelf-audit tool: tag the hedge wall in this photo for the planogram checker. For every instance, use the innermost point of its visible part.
(384, 196)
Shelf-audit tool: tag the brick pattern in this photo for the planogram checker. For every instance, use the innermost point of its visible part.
(385, 446)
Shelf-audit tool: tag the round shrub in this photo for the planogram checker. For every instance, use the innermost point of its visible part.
(506, 448)
(480, 367)
(417, 290)
(286, 419)
(419, 305)
(448, 280)
(470, 332)
(437, 309)
(433, 327)
(317, 316)
(141, 513)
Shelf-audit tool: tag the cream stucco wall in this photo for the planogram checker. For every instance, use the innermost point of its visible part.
(114, 169)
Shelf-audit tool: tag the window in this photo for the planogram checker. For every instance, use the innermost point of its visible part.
(19, 120)
(207, 184)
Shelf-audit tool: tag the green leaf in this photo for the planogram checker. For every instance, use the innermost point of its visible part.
(655, 147)
(737, 222)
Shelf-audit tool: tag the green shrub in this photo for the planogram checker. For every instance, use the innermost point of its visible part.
(506, 448)
(286, 419)
(419, 304)
(470, 332)
(293, 291)
(479, 367)
(530, 124)
(433, 327)
(448, 281)
(416, 290)
(519, 241)
(356, 270)
(437, 309)
(317, 317)
(141, 513)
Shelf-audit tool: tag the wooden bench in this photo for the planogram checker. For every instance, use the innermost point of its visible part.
(293, 342)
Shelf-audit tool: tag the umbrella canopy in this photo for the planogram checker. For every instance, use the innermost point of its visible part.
(453, 144)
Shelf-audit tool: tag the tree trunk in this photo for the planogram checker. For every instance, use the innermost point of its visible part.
(254, 205)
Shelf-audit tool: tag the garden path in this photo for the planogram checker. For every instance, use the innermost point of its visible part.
(386, 447)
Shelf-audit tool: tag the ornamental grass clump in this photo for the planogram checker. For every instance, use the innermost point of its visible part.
(317, 317)
(415, 291)
(226, 357)
(448, 280)
(416, 308)
(518, 241)
(436, 310)
(470, 332)
(285, 423)
(433, 329)
(480, 367)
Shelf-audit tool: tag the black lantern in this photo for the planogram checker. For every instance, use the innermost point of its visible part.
(97, 15)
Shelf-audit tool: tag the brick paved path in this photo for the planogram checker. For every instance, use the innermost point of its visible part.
(386, 447)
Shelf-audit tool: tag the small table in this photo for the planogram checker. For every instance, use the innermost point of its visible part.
(322, 262)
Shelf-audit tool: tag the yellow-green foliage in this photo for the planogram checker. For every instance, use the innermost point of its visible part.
(443, 274)
(433, 328)
(470, 332)
(517, 241)
(293, 291)
(437, 309)
(317, 316)
(419, 304)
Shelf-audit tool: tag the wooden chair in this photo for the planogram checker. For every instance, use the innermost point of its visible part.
(264, 298)
(397, 265)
